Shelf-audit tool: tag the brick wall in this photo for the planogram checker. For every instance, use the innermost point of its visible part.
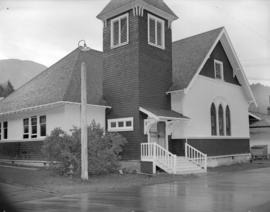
(136, 75)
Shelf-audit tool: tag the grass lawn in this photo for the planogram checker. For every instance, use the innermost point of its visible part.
(46, 182)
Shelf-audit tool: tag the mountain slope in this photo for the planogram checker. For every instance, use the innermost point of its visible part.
(19, 72)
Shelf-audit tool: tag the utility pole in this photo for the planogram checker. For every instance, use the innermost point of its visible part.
(84, 146)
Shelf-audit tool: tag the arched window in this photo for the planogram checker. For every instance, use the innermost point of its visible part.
(221, 120)
(228, 121)
(213, 120)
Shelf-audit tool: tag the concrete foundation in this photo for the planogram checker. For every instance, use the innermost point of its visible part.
(228, 160)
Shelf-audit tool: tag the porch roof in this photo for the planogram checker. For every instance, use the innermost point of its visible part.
(158, 113)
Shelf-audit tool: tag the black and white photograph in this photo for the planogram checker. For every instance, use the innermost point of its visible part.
(135, 105)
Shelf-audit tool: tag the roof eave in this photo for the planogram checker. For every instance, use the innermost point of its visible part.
(134, 6)
(49, 105)
(160, 118)
(176, 91)
(254, 116)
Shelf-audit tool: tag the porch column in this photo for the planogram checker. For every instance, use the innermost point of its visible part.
(148, 123)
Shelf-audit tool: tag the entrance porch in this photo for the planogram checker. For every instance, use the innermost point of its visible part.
(160, 151)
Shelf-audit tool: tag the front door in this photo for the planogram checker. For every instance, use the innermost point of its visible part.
(161, 136)
(158, 134)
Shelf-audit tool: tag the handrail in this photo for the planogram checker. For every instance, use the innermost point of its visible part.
(158, 154)
(196, 156)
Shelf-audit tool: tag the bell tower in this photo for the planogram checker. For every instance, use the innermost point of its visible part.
(137, 45)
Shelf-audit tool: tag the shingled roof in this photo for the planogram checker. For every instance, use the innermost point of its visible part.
(60, 82)
(188, 55)
(116, 4)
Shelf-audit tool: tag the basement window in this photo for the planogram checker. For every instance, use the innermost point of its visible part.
(26, 128)
(156, 31)
(218, 66)
(120, 125)
(119, 31)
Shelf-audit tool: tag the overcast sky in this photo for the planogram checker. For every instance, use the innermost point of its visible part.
(44, 31)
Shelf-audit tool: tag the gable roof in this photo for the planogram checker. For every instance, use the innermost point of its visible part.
(191, 54)
(119, 5)
(188, 55)
(60, 82)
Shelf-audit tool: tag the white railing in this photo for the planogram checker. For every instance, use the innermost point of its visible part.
(162, 157)
(196, 156)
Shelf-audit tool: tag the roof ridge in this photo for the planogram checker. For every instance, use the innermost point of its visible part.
(38, 75)
(192, 36)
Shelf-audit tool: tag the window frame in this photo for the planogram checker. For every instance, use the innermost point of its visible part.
(156, 19)
(226, 119)
(222, 70)
(118, 19)
(221, 122)
(26, 133)
(5, 130)
(120, 120)
(228, 125)
(214, 124)
(42, 125)
(34, 135)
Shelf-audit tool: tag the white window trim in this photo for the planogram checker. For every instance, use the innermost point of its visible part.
(118, 19)
(224, 120)
(36, 134)
(156, 19)
(29, 126)
(39, 125)
(222, 72)
(121, 129)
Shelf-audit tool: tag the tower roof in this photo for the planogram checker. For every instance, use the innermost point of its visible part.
(117, 6)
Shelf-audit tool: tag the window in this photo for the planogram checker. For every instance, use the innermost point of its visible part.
(26, 128)
(118, 125)
(0, 131)
(228, 121)
(119, 31)
(5, 130)
(221, 120)
(156, 32)
(213, 120)
(218, 69)
(42, 125)
(34, 127)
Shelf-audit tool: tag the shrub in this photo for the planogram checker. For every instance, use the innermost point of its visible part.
(104, 149)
